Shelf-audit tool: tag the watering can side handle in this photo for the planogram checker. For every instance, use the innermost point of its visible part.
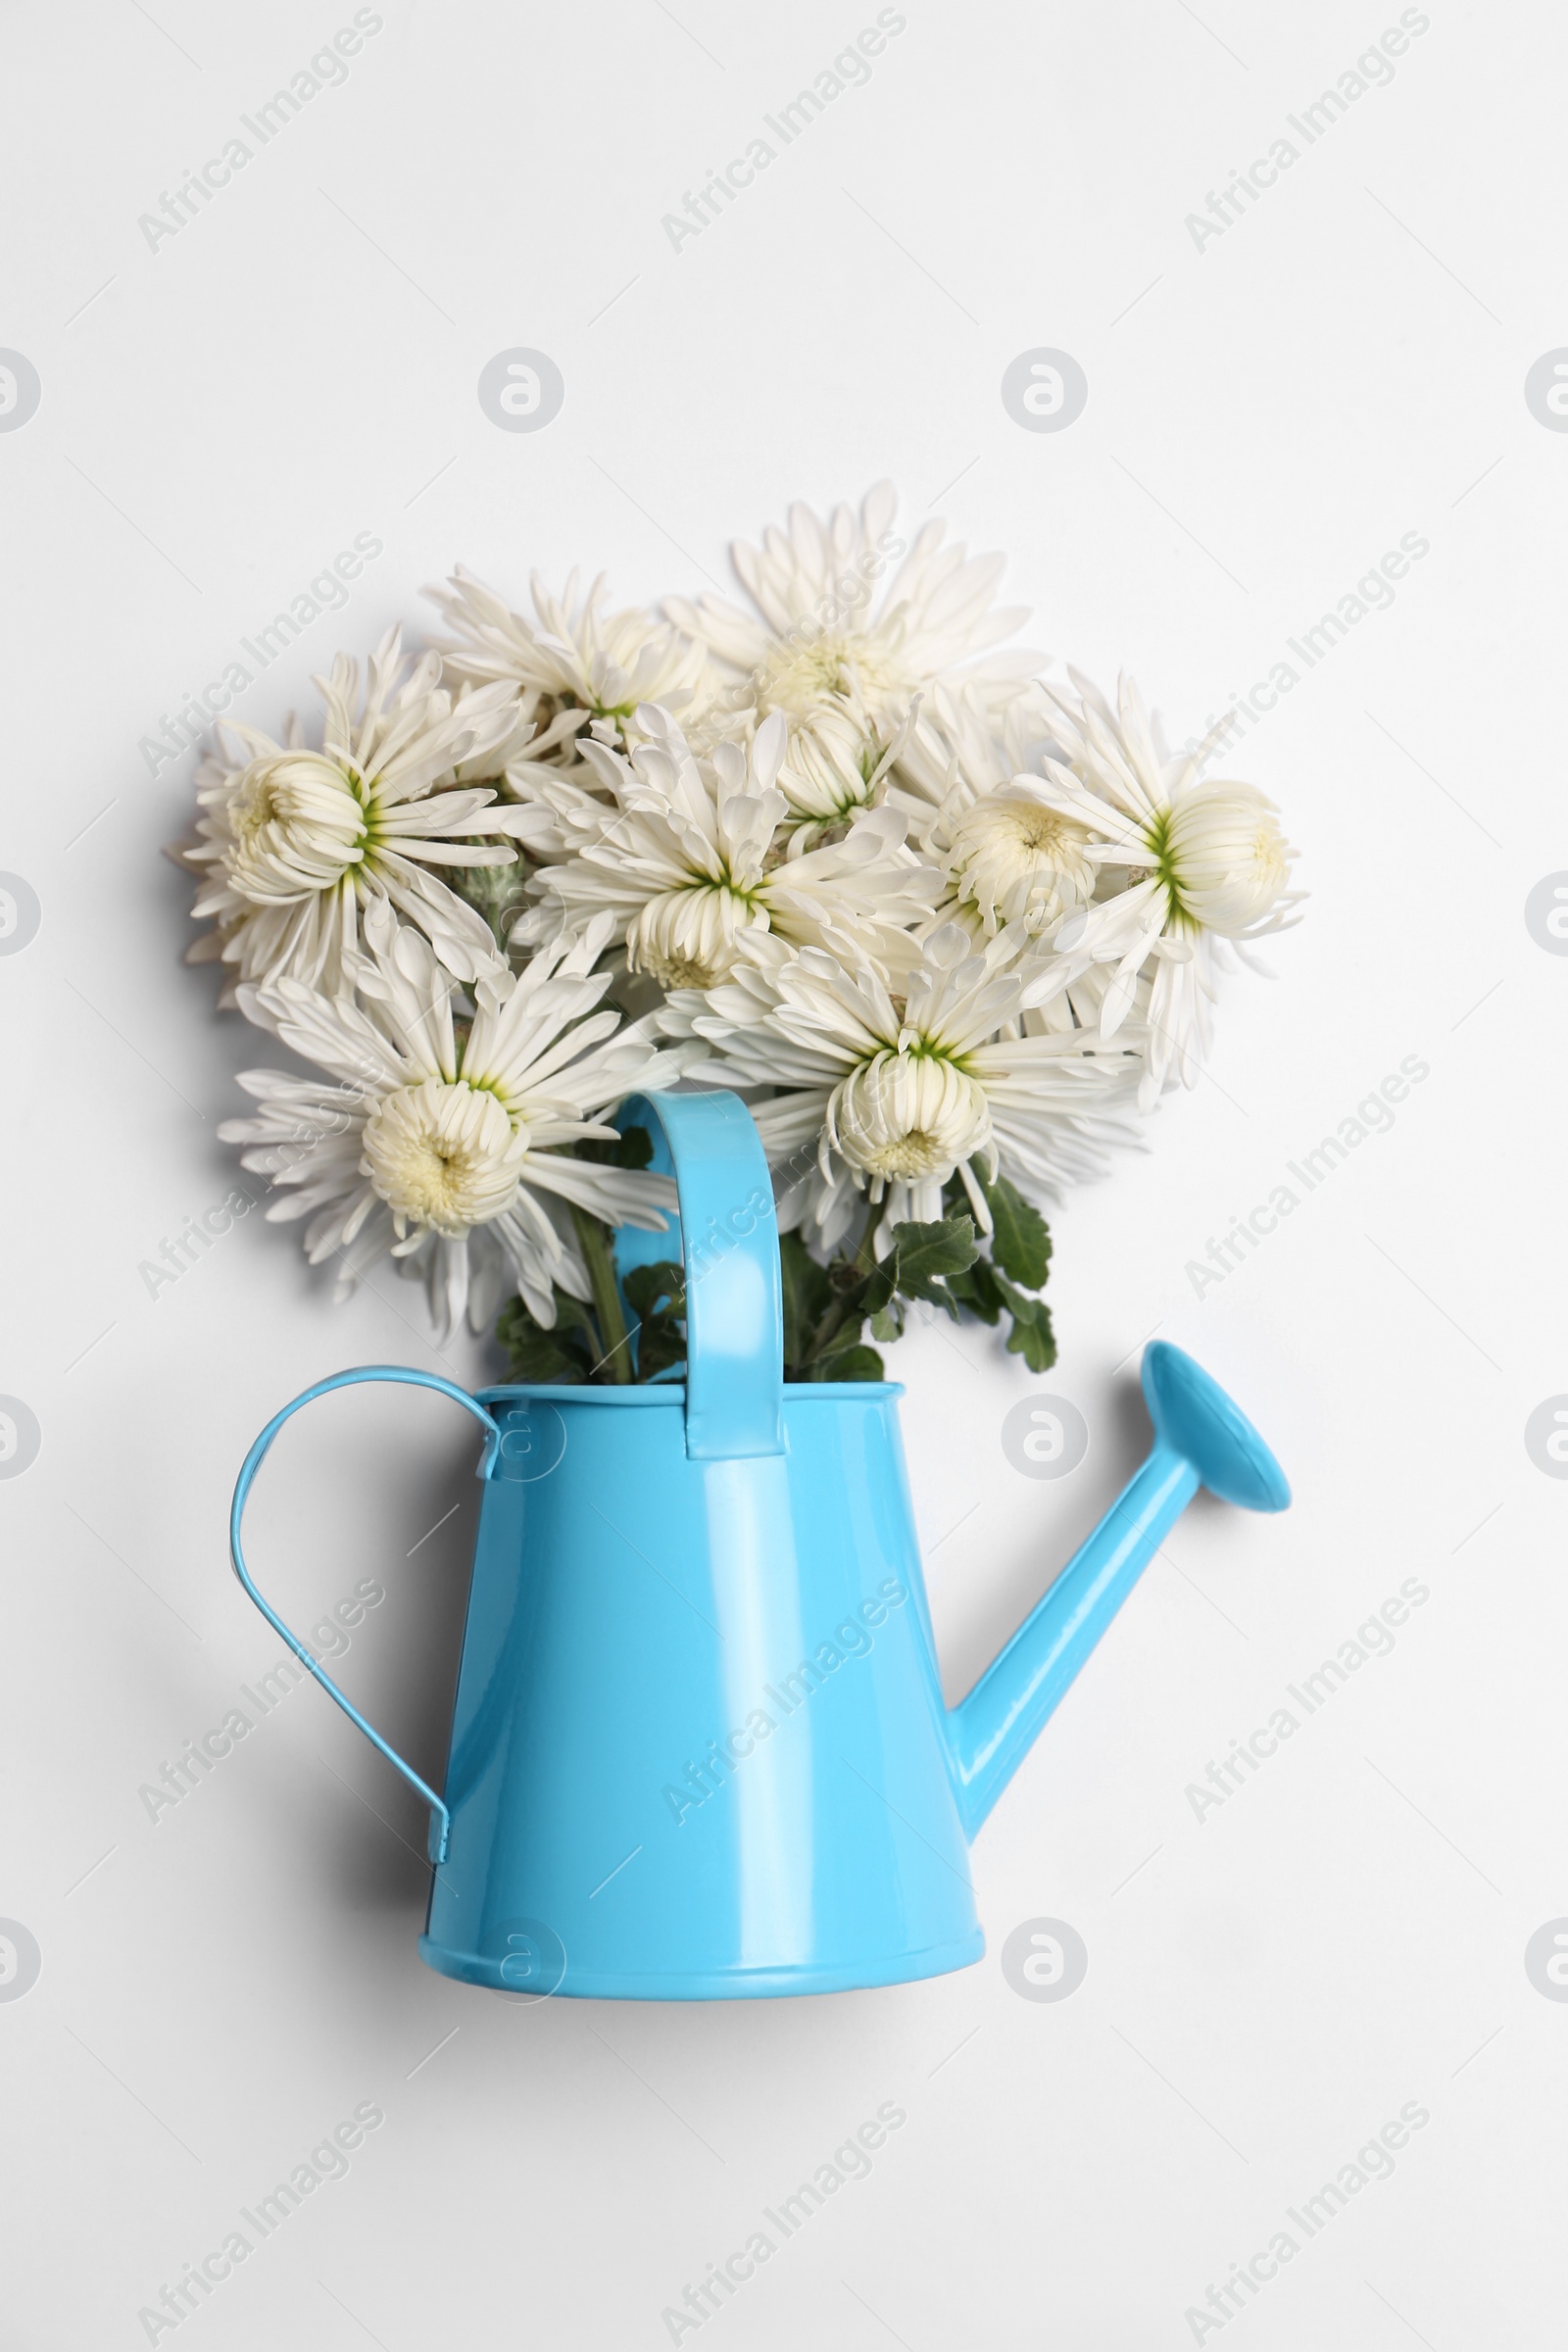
(441, 1821)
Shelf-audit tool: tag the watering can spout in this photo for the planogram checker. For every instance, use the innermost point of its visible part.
(1201, 1438)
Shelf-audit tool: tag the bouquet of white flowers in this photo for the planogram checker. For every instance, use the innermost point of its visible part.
(948, 929)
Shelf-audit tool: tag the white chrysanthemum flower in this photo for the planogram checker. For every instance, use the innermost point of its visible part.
(831, 777)
(887, 1092)
(560, 812)
(1014, 858)
(1204, 864)
(685, 860)
(1006, 854)
(955, 741)
(1006, 859)
(436, 1137)
(829, 635)
(834, 770)
(574, 666)
(293, 845)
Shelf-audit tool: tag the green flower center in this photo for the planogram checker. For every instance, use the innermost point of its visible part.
(1165, 871)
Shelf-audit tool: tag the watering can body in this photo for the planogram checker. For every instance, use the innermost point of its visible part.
(698, 1747)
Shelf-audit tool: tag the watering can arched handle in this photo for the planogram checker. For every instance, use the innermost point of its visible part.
(734, 1282)
(441, 1819)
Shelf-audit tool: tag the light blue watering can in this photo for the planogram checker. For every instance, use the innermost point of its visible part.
(700, 1749)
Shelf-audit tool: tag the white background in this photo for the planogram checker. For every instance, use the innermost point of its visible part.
(1268, 1982)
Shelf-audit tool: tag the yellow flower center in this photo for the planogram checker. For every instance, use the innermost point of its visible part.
(442, 1156)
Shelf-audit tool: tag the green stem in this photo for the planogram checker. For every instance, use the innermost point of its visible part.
(832, 1323)
(593, 1239)
(848, 1303)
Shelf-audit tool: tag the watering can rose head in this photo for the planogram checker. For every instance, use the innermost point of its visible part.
(950, 929)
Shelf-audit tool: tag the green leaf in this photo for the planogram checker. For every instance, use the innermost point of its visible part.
(887, 1324)
(882, 1285)
(635, 1148)
(1031, 1336)
(926, 1253)
(656, 1297)
(571, 1314)
(660, 1345)
(808, 1295)
(646, 1287)
(859, 1286)
(976, 1290)
(554, 1359)
(1021, 1243)
(855, 1362)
